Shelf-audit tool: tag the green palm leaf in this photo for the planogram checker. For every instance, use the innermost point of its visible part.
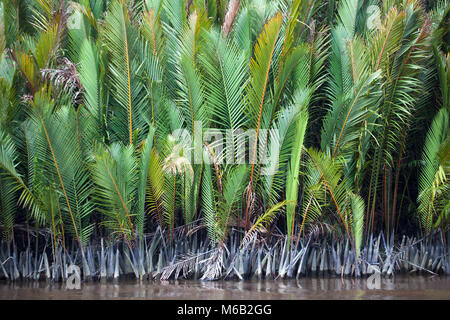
(115, 174)
(259, 70)
(433, 175)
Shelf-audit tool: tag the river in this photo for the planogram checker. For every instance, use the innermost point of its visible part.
(399, 287)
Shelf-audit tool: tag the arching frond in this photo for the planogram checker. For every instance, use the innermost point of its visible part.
(115, 176)
(433, 175)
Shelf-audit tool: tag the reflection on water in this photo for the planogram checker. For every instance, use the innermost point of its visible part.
(401, 287)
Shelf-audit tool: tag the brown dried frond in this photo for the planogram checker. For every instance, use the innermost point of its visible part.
(65, 79)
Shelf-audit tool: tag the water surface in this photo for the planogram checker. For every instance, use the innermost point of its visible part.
(400, 287)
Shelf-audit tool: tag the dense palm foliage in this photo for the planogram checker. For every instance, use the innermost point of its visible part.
(350, 97)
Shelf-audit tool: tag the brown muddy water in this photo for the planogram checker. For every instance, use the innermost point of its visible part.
(400, 287)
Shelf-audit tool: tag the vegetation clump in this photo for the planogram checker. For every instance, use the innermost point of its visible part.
(218, 139)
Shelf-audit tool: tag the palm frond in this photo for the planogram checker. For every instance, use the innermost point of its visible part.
(115, 176)
(144, 172)
(122, 39)
(259, 70)
(358, 209)
(263, 221)
(91, 80)
(433, 175)
(233, 188)
(292, 180)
